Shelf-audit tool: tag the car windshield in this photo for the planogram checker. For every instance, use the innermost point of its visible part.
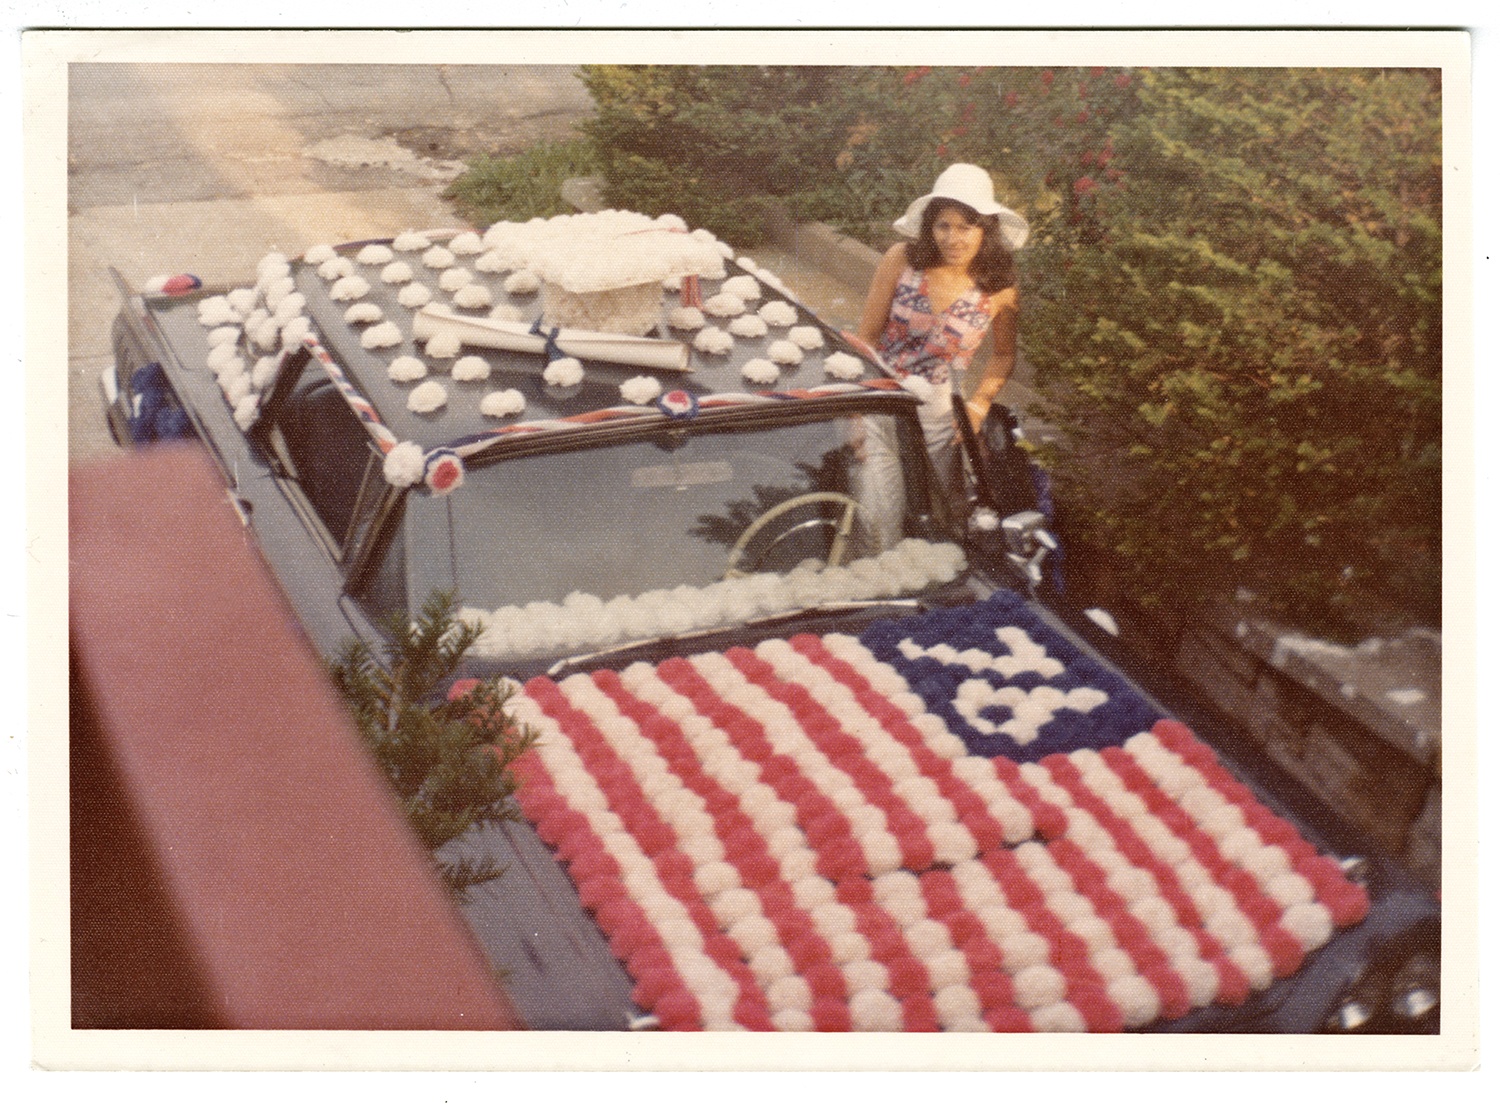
(693, 528)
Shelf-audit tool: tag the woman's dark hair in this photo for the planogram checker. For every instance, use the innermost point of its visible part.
(993, 268)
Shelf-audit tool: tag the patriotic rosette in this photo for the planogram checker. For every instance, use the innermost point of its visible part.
(810, 835)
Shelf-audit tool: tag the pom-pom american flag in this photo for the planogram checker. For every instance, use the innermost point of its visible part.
(956, 821)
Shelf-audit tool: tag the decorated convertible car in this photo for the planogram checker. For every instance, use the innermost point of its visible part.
(815, 753)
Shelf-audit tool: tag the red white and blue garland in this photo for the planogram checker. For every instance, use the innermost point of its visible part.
(785, 837)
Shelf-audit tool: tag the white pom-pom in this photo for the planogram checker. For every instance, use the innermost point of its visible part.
(225, 334)
(1059, 1018)
(415, 295)
(264, 371)
(640, 390)
(763, 371)
(742, 286)
(785, 352)
(444, 345)
(806, 337)
(724, 304)
(1289, 889)
(1137, 999)
(922, 390)
(426, 398)
(685, 318)
(778, 314)
(713, 341)
(455, 279)
(491, 262)
(289, 307)
(293, 332)
(749, 326)
(927, 938)
(366, 312)
(411, 241)
(405, 464)
(957, 1007)
(242, 300)
(471, 368)
(1255, 964)
(789, 1022)
(318, 255)
(351, 288)
(437, 258)
(246, 410)
(875, 1011)
(215, 311)
(502, 403)
(522, 282)
(382, 335)
(716, 878)
(376, 254)
(865, 976)
(1310, 923)
(745, 262)
(506, 312)
(406, 368)
(472, 297)
(1039, 985)
(754, 933)
(336, 268)
(563, 373)
(466, 243)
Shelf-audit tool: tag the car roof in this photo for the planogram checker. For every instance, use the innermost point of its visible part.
(460, 419)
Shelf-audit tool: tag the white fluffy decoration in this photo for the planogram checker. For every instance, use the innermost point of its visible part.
(806, 337)
(376, 254)
(742, 286)
(641, 390)
(471, 368)
(415, 295)
(316, 256)
(293, 332)
(236, 389)
(396, 273)
(351, 288)
(406, 368)
(918, 387)
(437, 258)
(272, 262)
(264, 371)
(267, 334)
(466, 243)
(246, 410)
(778, 314)
(366, 312)
(278, 289)
(472, 296)
(411, 241)
(502, 403)
(491, 262)
(724, 304)
(685, 317)
(750, 326)
(785, 351)
(672, 284)
(593, 251)
(382, 335)
(426, 398)
(225, 333)
(843, 365)
(336, 268)
(745, 262)
(289, 307)
(563, 373)
(506, 312)
(522, 282)
(241, 300)
(763, 371)
(444, 345)
(405, 464)
(713, 341)
(213, 311)
(454, 279)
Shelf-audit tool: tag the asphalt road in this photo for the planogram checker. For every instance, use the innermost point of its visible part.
(205, 168)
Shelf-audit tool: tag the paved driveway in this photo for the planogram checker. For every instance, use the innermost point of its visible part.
(205, 168)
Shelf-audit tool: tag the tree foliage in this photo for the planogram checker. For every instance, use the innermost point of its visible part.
(449, 760)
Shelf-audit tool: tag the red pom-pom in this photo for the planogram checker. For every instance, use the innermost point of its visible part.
(1008, 1020)
(919, 1015)
(1348, 904)
(461, 687)
(724, 951)
(678, 1010)
(855, 891)
(654, 984)
(941, 893)
(886, 943)
(1283, 949)
(991, 985)
(1208, 946)
(825, 980)
(1099, 1012)
(842, 859)
(1173, 734)
(1051, 823)
(908, 977)
(964, 927)
(808, 949)
(753, 1014)
(830, 1016)
(1175, 999)
(1234, 986)
(759, 871)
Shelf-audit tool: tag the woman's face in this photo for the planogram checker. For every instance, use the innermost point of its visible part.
(958, 241)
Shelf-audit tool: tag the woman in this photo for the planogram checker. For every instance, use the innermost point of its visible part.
(932, 300)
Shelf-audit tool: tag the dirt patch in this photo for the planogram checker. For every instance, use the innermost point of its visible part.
(503, 137)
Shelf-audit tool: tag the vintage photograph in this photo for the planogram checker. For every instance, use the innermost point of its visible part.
(757, 543)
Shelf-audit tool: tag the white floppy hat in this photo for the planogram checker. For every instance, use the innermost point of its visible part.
(968, 185)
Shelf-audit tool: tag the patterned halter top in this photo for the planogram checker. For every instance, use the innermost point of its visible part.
(932, 345)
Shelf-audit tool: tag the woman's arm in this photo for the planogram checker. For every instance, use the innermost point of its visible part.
(882, 294)
(1006, 309)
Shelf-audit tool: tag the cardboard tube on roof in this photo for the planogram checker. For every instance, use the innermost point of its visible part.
(503, 335)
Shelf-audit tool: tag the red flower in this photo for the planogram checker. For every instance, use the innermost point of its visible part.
(1104, 156)
(1087, 158)
(910, 76)
(966, 109)
(1084, 185)
(1122, 80)
(961, 129)
(1057, 121)
(942, 148)
(1048, 77)
(965, 78)
(1083, 116)
(1096, 71)
(1012, 99)
(1113, 174)
(1083, 88)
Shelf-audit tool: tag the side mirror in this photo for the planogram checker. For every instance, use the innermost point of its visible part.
(1029, 542)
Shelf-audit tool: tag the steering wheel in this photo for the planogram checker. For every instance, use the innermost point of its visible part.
(836, 549)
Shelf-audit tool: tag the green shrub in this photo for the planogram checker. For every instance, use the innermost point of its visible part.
(518, 187)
